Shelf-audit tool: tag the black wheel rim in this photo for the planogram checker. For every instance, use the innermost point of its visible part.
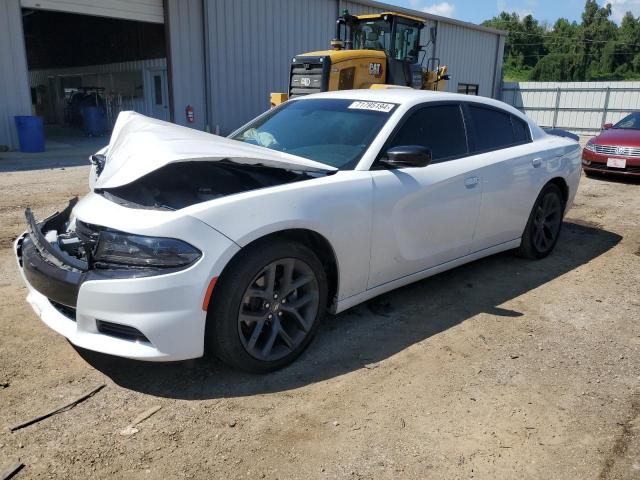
(278, 309)
(546, 222)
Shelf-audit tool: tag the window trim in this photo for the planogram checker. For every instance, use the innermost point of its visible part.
(466, 87)
(466, 107)
(377, 165)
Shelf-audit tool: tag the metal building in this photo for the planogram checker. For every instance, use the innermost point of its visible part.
(223, 57)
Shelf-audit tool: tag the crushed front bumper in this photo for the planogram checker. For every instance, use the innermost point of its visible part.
(45, 268)
(124, 313)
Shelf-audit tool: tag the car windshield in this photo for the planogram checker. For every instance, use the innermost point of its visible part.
(630, 122)
(335, 132)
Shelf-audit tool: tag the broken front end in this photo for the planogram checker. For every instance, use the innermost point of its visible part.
(132, 295)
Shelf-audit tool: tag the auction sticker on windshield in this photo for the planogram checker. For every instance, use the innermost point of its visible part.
(376, 106)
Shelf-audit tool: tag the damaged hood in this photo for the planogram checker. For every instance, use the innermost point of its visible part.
(139, 145)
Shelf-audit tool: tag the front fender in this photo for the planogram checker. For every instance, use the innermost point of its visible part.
(337, 207)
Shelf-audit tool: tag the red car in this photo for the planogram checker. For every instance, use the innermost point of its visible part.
(616, 150)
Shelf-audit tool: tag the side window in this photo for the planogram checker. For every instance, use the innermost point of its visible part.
(520, 130)
(492, 128)
(440, 128)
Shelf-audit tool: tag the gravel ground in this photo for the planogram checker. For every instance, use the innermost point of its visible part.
(504, 368)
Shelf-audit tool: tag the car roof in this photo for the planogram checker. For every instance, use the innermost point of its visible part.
(410, 96)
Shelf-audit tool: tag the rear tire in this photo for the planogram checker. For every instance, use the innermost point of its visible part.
(267, 306)
(545, 222)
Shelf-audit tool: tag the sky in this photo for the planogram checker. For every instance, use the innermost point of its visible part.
(476, 11)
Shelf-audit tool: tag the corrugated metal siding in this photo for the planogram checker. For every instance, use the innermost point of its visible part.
(356, 8)
(251, 43)
(39, 77)
(186, 41)
(580, 105)
(499, 68)
(380, 6)
(120, 81)
(142, 10)
(15, 98)
(470, 56)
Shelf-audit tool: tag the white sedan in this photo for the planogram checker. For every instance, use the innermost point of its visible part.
(191, 243)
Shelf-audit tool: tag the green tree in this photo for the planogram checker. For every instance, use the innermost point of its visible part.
(557, 67)
(627, 49)
(596, 48)
(524, 45)
(596, 34)
(563, 37)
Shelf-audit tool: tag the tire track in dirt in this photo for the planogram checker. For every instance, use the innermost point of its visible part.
(622, 442)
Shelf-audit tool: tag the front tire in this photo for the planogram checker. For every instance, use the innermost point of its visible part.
(267, 306)
(545, 222)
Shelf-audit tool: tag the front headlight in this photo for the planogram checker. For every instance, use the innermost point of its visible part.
(590, 146)
(126, 249)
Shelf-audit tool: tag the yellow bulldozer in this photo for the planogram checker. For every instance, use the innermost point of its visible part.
(369, 51)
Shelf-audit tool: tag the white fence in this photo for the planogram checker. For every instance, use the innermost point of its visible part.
(581, 107)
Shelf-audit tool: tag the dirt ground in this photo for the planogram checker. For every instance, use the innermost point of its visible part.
(504, 368)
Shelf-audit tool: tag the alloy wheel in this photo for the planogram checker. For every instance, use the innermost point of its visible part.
(546, 222)
(278, 309)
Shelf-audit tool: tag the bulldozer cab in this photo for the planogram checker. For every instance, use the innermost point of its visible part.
(397, 35)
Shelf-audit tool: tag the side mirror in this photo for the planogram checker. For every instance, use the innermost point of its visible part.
(607, 126)
(407, 156)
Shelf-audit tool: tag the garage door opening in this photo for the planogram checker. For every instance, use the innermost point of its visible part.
(84, 70)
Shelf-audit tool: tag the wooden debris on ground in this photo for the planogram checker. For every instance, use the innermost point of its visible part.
(131, 428)
(64, 408)
(11, 470)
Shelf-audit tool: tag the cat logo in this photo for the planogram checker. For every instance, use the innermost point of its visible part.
(375, 69)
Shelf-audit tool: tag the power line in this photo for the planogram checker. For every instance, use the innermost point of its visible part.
(574, 41)
(541, 56)
(552, 35)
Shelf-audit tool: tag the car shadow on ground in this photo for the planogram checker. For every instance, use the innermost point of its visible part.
(376, 330)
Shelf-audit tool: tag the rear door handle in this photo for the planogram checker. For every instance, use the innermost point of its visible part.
(536, 162)
(471, 182)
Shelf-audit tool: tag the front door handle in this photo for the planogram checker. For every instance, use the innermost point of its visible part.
(471, 182)
(536, 162)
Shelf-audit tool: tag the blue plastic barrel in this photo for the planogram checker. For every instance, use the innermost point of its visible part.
(94, 121)
(30, 133)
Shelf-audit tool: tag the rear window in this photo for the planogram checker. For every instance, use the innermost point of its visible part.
(520, 130)
(492, 128)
